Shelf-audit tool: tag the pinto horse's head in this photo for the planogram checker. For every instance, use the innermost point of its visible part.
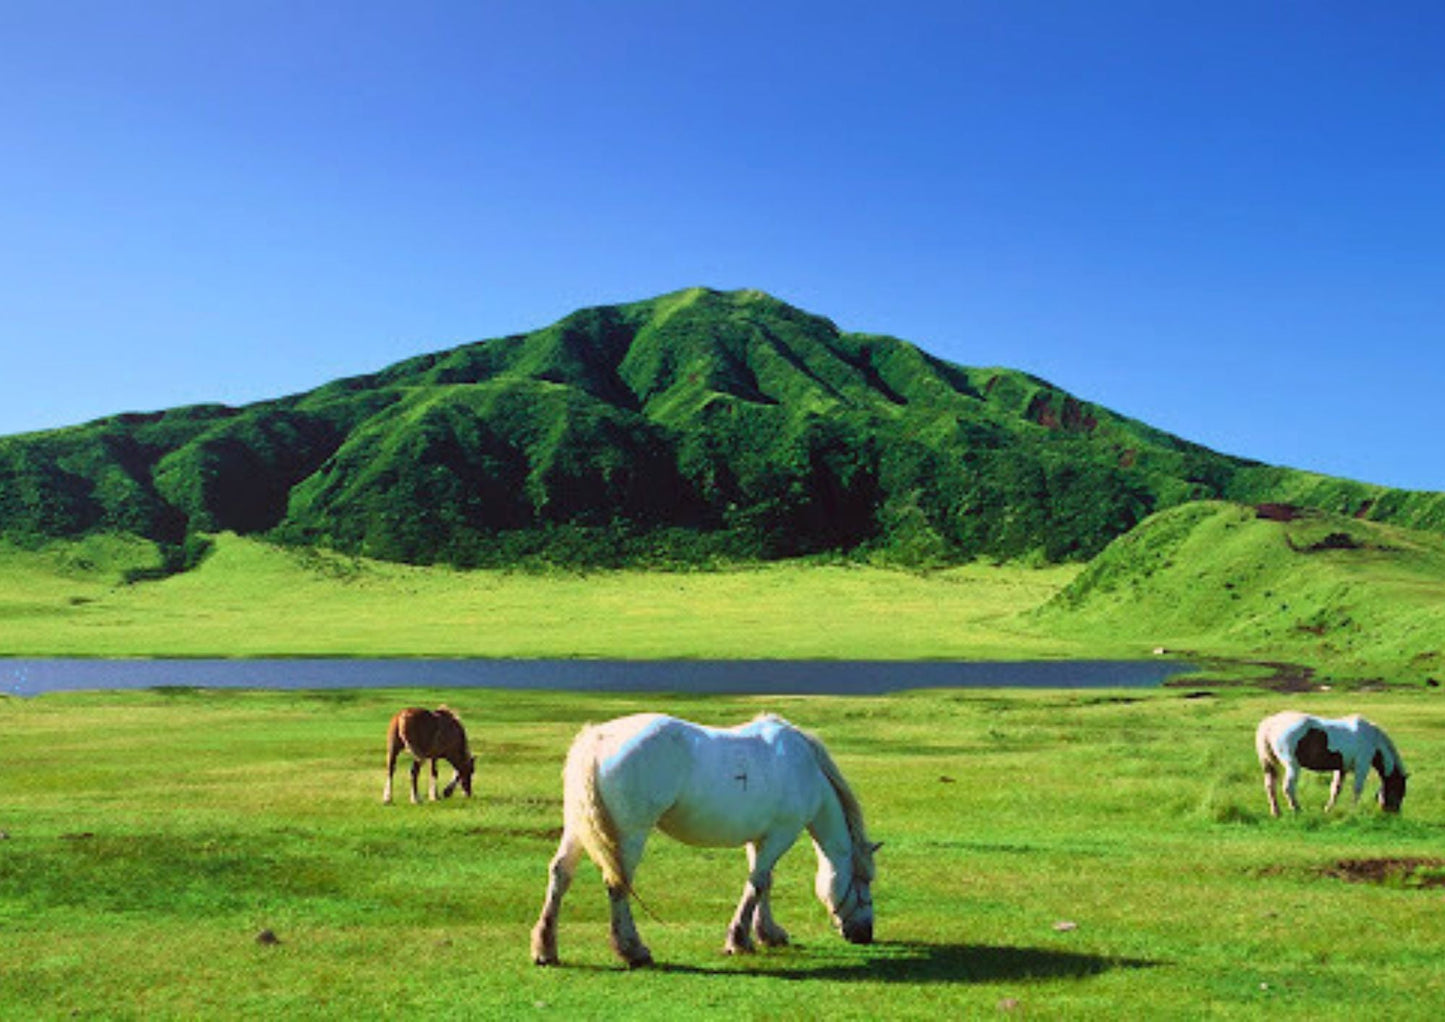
(1392, 791)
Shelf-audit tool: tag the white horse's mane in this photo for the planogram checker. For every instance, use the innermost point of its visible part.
(852, 810)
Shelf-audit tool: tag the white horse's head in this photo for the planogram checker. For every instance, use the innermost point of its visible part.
(845, 889)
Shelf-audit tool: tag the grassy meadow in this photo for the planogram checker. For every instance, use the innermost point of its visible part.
(1053, 854)
(251, 599)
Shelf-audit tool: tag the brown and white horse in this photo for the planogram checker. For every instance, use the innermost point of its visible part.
(1288, 741)
(429, 735)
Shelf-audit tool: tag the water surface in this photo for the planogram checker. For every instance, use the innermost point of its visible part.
(800, 677)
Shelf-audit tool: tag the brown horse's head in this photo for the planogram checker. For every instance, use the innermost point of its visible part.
(465, 768)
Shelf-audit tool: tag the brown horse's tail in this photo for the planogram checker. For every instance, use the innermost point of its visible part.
(585, 813)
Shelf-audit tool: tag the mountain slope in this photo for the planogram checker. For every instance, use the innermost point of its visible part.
(1274, 582)
(692, 423)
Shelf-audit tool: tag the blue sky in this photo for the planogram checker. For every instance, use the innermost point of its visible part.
(1226, 219)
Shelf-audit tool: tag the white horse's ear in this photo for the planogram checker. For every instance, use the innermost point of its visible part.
(877, 845)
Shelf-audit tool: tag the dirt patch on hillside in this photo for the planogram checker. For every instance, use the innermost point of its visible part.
(1413, 873)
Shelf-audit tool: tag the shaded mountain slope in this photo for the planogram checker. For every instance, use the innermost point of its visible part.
(693, 423)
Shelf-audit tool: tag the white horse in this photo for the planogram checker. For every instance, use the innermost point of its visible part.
(757, 785)
(1293, 740)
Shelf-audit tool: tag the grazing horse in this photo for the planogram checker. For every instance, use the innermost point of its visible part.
(759, 785)
(1293, 740)
(429, 735)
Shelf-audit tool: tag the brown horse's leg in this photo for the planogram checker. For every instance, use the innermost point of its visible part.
(393, 746)
(559, 873)
(415, 772)
(431, 788)
(451, 787)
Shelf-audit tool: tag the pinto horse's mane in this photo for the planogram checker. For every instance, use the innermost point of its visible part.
(1392, 762)
(852, 810)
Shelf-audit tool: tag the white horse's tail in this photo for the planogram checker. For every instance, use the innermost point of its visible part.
(586, 815)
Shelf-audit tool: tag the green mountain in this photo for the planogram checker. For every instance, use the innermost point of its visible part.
(694, 424)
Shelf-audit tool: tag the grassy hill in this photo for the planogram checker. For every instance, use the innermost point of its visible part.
(691, 426)
(1351, 598)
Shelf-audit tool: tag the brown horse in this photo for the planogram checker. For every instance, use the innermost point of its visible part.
(429, 735)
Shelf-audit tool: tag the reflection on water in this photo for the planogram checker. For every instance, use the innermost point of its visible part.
(800, 677)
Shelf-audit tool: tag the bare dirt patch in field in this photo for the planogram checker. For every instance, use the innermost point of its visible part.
(1391, 872)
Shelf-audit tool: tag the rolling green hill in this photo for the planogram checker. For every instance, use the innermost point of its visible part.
(1353, 599)
(694, 425)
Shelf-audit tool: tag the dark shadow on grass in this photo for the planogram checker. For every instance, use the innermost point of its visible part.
(925, 963)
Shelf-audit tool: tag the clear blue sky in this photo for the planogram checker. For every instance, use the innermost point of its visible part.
(1224, 218)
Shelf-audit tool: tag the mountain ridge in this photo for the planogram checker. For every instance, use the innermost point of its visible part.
(694, 424)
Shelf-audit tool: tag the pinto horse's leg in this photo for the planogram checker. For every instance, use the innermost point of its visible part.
(762, 857)
(626, 941)
(559, 873)
(1361, 776)
(1269, 779)
(1291, 779)
(1335, 785)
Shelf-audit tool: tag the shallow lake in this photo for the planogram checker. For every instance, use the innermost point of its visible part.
(810, 677)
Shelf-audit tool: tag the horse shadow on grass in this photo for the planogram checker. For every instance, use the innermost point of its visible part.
(915, 963)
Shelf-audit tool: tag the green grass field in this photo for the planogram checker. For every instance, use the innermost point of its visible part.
(150, 836)
(251, 599)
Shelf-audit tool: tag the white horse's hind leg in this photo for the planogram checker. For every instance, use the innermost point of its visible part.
(626, 941)
(560, 873)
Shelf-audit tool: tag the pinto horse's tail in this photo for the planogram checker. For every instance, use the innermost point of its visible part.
(586, 815)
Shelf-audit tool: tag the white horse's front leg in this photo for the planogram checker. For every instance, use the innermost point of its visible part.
(559, 873)
(753, 914)
(766, 930)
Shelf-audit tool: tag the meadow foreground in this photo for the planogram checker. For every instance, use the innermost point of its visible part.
(1078, 854)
